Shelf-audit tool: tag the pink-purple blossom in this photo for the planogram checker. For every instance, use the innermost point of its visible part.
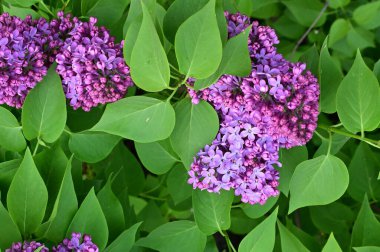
(77, 243)
(24, 56)
(275, 106)
(27, 247)
(91, 65)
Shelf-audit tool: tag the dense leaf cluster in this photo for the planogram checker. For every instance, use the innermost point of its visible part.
(119, 172)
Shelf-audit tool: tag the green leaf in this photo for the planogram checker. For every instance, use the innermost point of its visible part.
(318, 181)
(178, 187)
(330, 76)
(221, 19)
(306, 11)
(245, 7)
(376, 70)
(235, 61)
(305, 238)
(198, 45)
(337, 143)
(132, 25)
(311, 58)
(339, 30)
(368, 15)
(265, 8)
(148, 56)
(108, 12)
(27, 196)
(101, 145)
(7, 172)
(335, 217)
(289, 241)
(178, 12)
(357, 95)
(360, 38)
(125, 241)
(130, 174)
(21, 12)
(9, 232)
(364, 169)
(65, 207)
(90, 219)
(167, 237)
(262, 237)
(366, 228)
(112, 209)
(158, 157)
(290, 158)
(44, 110)
(22, 3)
(140, 118)
(367, 249)
(338, 3)
(212, 210)
(196, 126)
(11, 137)
(151, 216)
(331, 245)
(257, 210)
(52, 164)
(241, 224)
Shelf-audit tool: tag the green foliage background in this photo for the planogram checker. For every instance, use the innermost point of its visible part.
(132, 195)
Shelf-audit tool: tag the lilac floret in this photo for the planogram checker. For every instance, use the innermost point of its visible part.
(77, 244)
(24, 56)
(91, 65)
(274, 107)
(27, 247)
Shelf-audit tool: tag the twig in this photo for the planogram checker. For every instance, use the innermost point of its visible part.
(299, 42)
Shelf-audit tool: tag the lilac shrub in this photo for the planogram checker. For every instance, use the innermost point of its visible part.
(275, 106)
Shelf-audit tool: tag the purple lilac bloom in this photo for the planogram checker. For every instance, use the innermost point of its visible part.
(24, 56)
(275, 106)
(77, 244)
(26, 247)
(91, 65)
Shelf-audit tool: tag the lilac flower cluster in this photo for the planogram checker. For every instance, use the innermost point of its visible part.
(23, 61)
(89, 62)
(27, 247)
(275, 106)
(75, 244)
(91, 65)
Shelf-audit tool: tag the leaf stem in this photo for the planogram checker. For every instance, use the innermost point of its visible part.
(142, 195)
(299, 42)
(172, 94)
(67, 131)
(230, 246)
(175, 77)
(36, 148)
(46, 7)
(372, 142)
(330, 143)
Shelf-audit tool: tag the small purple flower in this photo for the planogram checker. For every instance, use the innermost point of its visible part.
(27, 247)
(76, 244)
